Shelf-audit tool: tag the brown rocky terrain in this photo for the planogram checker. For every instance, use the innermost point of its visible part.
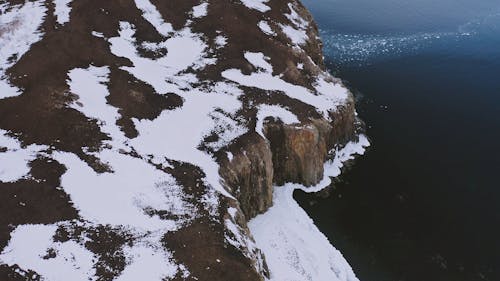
(138, 138)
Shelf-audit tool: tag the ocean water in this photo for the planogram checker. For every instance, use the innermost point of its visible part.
(424, 203)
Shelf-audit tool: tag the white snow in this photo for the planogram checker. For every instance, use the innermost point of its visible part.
(227, 129)
(328, 97)
(19, 29)
(62, 10)
(200, 10)
(257, 5)
(295, 18)
(7, 90)
(151, 14)
(232, 212)
(14, 161)
(239, 238)
(276, 111)
(148, 264)
(89, 85)
(220, 41)
(196, 117)
(120, 198)
(297, 36)
(259, 60)
(195, 123)
(14, 164)
(294, 247)
(30, 243)
(333, 167)
(184, 50)
(97, 34)
(264, 26)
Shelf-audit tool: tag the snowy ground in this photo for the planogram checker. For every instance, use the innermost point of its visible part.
(294, 247)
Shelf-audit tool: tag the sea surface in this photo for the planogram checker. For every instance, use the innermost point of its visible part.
(423, 204)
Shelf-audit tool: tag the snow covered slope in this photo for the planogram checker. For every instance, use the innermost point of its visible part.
(138, 138)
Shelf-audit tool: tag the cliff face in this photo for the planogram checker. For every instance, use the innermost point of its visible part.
(286, 153)
(138, 138)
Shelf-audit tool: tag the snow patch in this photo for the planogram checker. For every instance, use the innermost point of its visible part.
(230, 156)
(232, 212)
(238, 237)
(19, 29)
(295, 18)
(14, 161)
(333, 167)
(276, 111)
(327, 97)
(297, 36)
(7, 90)
(200, 10)
(148, 264)
(264, 27)
(165, 74)
(97, 34)
(195, 122)
(62, 10)
(153, 16)
(294, 247)
(220, 41)
(226, 128)
(30, 243)
(124, 196)
(259, 60)
(89, 85)
(257, 5)
(184, 50)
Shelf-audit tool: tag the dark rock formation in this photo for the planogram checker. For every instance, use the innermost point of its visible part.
(249, 174)
(298, 153)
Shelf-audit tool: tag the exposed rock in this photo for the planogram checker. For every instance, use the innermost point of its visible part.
(248, 172)
(299, 152)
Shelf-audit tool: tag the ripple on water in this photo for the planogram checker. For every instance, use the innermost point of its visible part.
(361, 49)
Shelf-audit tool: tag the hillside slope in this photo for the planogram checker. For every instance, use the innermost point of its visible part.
(138, 139)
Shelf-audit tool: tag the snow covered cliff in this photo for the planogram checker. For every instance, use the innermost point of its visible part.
(162, 140)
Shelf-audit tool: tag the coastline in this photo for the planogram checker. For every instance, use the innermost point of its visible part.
(294, 247)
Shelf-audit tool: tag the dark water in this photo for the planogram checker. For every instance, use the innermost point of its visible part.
(424, 203)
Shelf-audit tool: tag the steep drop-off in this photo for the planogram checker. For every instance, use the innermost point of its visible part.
(139, 138)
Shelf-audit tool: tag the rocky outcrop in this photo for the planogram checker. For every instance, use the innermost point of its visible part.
(293, 153)
(299, 151)
(248, 171)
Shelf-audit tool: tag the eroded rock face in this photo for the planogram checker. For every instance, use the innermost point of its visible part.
(135, 135)
(293, 153)
(248, 171)
(299, 152)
